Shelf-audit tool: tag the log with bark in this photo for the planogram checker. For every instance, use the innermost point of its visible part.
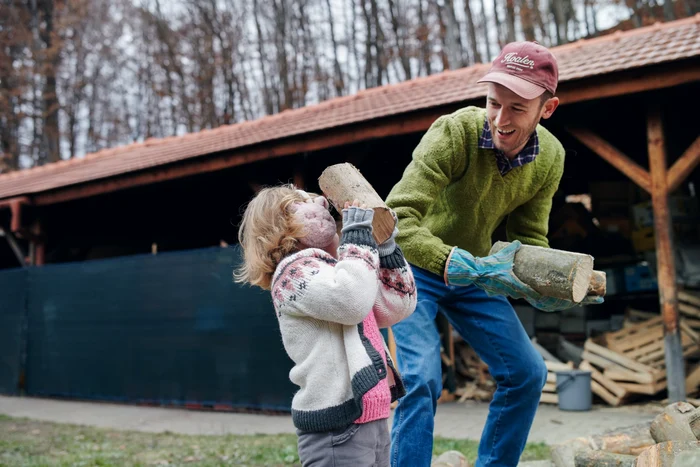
(678, 422)
(603, 459)
(343, 182)
(597, 287)
(551, 272)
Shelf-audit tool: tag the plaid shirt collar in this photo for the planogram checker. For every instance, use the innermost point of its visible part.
(505, 165)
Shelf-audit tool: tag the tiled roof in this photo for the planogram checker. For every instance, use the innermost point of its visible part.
(582, 59)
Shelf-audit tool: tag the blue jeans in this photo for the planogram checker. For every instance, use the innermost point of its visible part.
(491, 327)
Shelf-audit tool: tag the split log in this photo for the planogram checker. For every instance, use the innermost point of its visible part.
(678, 422)
(603, 459)
(553, 273)
(343, 182)
(630, 440)
(670, 453)
(598, 284)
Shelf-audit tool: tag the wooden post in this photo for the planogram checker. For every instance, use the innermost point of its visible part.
(666, 270)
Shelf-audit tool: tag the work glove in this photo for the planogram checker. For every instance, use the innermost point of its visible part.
(388, 246)
(355, 217)
(494, 274)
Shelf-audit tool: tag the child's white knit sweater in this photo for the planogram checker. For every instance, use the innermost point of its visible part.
(329, 313)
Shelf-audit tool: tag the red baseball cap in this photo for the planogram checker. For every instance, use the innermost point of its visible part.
(526, 68)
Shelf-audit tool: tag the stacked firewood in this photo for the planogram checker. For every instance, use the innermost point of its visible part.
(671, 439)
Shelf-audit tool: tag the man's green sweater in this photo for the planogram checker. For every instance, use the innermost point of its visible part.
(452, 193)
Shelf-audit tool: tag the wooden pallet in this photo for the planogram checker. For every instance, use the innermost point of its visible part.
(689, 307)
(644, 342)
(604, 387)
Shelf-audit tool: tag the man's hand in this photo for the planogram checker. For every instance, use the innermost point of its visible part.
(494, 274)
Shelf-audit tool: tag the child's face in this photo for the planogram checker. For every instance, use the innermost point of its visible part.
(319, 226)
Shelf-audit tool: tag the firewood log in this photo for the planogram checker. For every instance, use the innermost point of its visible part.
(551, 272)
(343, 182)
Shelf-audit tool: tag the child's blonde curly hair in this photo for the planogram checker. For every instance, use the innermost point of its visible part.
(268, 233)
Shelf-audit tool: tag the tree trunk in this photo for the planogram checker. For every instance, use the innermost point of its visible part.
(527, 20)
(537, 13)
(281, 20)
(369, 63)
(499, 33)
(485, 29)
(338, 81)
(452, 41)
(476, 56)
(266, 91)
(552, 273)
(510, 20)
(378, 44)
(51, 59)
(423, 36)
(400, 38)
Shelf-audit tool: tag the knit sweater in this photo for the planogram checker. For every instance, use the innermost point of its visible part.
(329, 313)
(452, 193)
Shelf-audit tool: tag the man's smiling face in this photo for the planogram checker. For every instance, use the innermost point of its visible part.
(513, 119)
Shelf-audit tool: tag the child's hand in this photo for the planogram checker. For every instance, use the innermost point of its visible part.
(357, 216)
(355, 203)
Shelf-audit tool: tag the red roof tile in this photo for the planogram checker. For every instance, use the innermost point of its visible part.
(586, 58)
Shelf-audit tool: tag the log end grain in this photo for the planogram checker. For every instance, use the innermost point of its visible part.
(598, 285)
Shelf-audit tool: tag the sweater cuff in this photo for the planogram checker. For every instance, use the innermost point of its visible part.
(394, 260)
(359, 236)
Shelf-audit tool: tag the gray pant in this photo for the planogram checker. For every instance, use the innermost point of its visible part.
(363, 445)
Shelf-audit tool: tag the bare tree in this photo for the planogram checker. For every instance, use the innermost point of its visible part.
(496, 18)
(527, 20)
(510, 20)
(423, 37)
(338, 79)
(471, 30)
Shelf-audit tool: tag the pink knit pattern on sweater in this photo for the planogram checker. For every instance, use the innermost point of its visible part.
(376, 403)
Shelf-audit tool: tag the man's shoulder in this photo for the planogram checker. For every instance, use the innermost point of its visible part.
(468, 115)
(550, 146)
(468, 119)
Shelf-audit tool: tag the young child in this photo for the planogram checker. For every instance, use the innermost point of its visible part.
(331, 296)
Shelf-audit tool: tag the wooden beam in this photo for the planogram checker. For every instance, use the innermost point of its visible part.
(613, 156)
(684, 165)
(665, 262)
(6, 203)
(617, 84)
(16, 248)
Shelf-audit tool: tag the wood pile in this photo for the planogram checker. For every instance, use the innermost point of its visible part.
(625, 365)
(671, 439)
(474, 382)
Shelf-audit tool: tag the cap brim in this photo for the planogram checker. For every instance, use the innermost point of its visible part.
(521, 87)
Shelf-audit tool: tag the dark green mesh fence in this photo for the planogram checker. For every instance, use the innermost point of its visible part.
(12, 308)
(170, 328)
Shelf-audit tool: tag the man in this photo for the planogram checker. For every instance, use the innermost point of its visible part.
(471, 170)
